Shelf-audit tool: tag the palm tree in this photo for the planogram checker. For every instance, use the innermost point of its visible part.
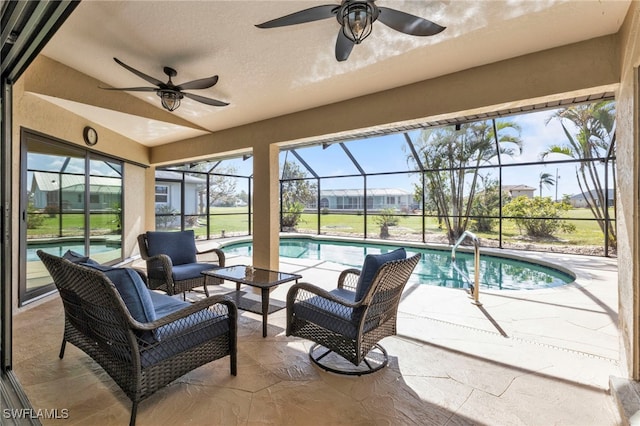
(547, 180)
(452, 158)
(595, 123)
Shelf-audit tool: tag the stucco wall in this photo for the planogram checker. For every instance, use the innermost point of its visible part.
(628, 103)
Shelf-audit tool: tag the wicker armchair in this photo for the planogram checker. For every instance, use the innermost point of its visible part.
(347, 323)
(174, 264)
(144, 340)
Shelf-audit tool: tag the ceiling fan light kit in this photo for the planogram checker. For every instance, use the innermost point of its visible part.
(356, 18)
(170, 99)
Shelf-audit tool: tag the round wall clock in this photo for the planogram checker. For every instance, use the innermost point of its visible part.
(90, 136)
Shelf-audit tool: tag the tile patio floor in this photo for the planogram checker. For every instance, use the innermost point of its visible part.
(540, 357)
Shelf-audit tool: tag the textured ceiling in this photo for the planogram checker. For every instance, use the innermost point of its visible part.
(267, 73)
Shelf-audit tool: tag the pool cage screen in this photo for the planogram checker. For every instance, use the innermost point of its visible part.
(543, 180)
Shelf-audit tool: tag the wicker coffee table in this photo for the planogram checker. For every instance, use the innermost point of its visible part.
(264, 279)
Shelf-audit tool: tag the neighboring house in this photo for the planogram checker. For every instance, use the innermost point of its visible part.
(168, 190)
(514, 191)
(353, 199)
(579, 201)
(55, 190)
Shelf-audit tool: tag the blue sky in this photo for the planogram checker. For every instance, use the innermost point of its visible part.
(389, 154)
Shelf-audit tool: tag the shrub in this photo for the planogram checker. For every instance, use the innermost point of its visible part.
(291, 217)
(34, 219)
(485, 206)
(385, 219)
(539, 217)
(117, 209)
(165, 216)
(51, 210)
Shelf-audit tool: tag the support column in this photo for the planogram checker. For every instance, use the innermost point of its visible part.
(266, 207)
(150, 199)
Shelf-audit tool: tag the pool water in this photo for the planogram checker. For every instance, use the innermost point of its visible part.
(60, 248)
(435, 267)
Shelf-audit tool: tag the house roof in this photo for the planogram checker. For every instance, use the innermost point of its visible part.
(372, 192)
(47, 181)
(169, 175)
(592, 192)
(517, 188)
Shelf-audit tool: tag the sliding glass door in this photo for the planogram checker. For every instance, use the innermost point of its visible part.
(71, 200)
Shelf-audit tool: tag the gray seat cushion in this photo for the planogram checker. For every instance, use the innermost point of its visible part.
(329, 314)
(190, 271)
(181, 335)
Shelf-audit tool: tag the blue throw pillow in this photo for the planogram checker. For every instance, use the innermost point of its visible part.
(179, 246)
(373, 262)
(133, 291)
(75, 257)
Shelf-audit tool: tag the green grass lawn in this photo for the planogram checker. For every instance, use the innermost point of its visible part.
(234, 221)
(73, 225)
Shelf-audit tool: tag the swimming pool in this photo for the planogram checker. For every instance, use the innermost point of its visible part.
(435, 267)
(59, 248)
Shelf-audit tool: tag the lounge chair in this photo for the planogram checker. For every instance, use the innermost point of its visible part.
(174, 264)
(350, 320)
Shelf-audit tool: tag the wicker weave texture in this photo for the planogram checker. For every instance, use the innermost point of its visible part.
(159, 269)
(350, 328)
(140, 358)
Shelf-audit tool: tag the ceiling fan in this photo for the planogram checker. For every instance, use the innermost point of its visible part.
(169, 93)
(356, 18)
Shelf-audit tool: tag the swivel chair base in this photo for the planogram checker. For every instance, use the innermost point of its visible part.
(328, 360)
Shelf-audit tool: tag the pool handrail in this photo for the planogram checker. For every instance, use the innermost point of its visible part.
(475, 291)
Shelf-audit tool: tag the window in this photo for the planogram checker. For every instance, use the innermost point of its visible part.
(212, 198)
(162, 194)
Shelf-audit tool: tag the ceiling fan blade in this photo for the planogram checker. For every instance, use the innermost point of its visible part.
(139, 74)
(203, 83)
(307, 15)
(204, 100)
(407, 23)
(132, 89)
(343, 47)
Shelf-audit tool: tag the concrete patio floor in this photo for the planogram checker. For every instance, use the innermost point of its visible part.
(537, 357)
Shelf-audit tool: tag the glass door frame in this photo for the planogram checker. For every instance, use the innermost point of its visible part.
(24, 295)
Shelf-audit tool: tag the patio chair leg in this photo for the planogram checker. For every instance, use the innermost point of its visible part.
(134, 412)
(234, 364)
(62, 346)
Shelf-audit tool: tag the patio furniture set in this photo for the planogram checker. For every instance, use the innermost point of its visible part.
(145, 339)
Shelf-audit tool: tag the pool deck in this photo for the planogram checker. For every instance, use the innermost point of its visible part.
(528, 357)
